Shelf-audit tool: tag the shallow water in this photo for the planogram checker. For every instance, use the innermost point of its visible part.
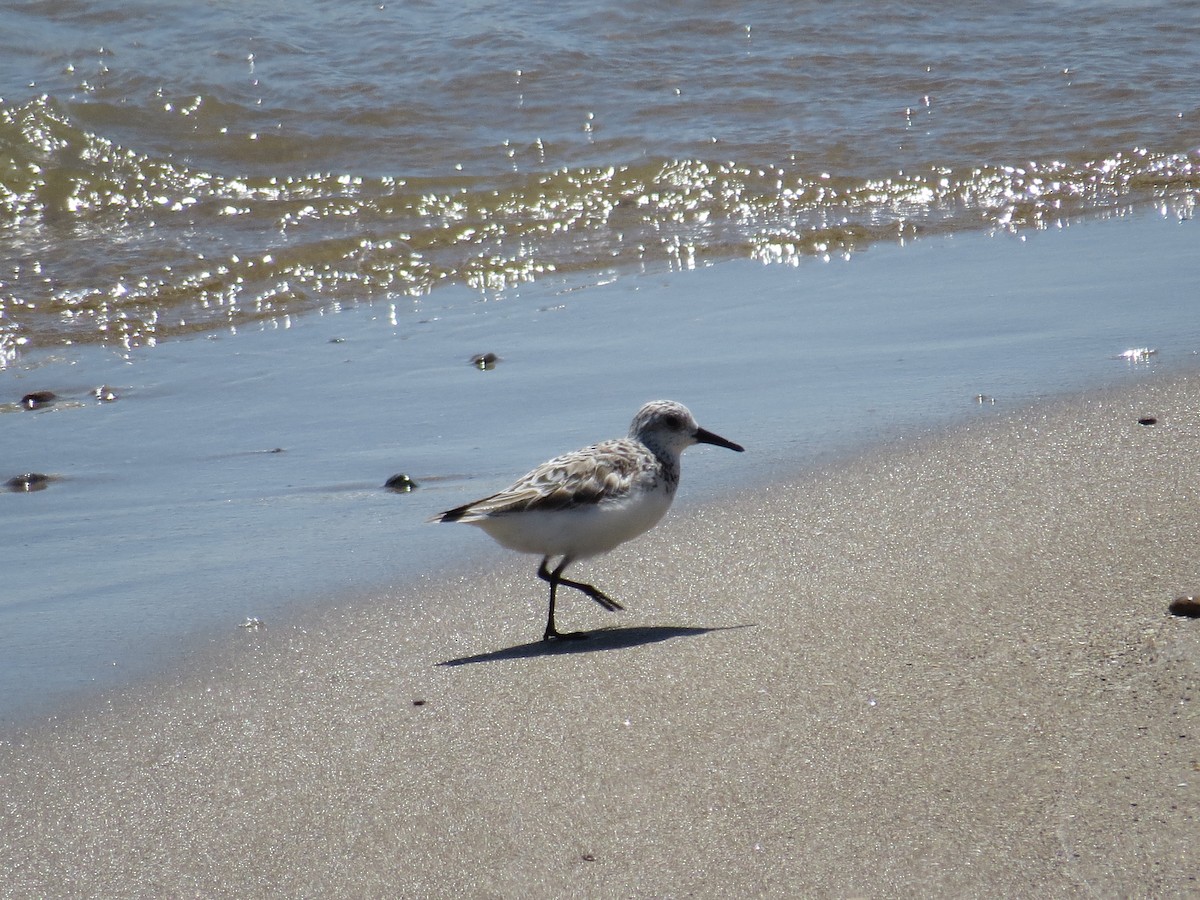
(172, 168)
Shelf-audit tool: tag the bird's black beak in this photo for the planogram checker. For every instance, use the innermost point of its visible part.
(707, 437)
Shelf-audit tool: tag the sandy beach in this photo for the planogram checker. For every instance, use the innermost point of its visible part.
(908, 644)
(944, 669)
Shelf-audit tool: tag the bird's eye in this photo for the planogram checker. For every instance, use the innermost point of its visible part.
(673, 421)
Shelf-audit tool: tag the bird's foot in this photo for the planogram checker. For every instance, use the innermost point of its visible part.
(596, 594)
(606, 601)
(555, 635)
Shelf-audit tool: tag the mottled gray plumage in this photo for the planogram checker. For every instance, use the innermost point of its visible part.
(587, 502)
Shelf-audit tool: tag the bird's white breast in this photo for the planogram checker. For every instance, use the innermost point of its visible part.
(580, 531)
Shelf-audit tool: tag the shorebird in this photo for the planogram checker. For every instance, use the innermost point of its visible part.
(587, 502)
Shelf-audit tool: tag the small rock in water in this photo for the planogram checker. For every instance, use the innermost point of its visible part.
(985, 400)
(1147, 420)
(38, 399)
(485, 361)
(1188, 607)
(105, 394)
(400, 483)
(27, 483)
(253, 623)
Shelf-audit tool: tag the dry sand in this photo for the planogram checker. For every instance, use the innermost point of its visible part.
(945, 669)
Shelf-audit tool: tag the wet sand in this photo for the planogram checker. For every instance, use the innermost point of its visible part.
(171, 514)
(943, 669)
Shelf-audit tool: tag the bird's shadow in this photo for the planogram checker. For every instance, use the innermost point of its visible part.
(601, 639)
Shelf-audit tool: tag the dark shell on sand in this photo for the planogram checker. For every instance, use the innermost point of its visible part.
(401, 484)
(1188, 607)
(38, 399)
(27, 483)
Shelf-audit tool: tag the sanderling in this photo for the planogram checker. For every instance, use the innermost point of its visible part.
(585, 503)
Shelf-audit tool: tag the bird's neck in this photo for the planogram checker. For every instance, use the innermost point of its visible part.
(668, 464)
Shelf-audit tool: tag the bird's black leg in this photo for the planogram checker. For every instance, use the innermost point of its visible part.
(552, 633)
(555, 578)
(595, 593)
